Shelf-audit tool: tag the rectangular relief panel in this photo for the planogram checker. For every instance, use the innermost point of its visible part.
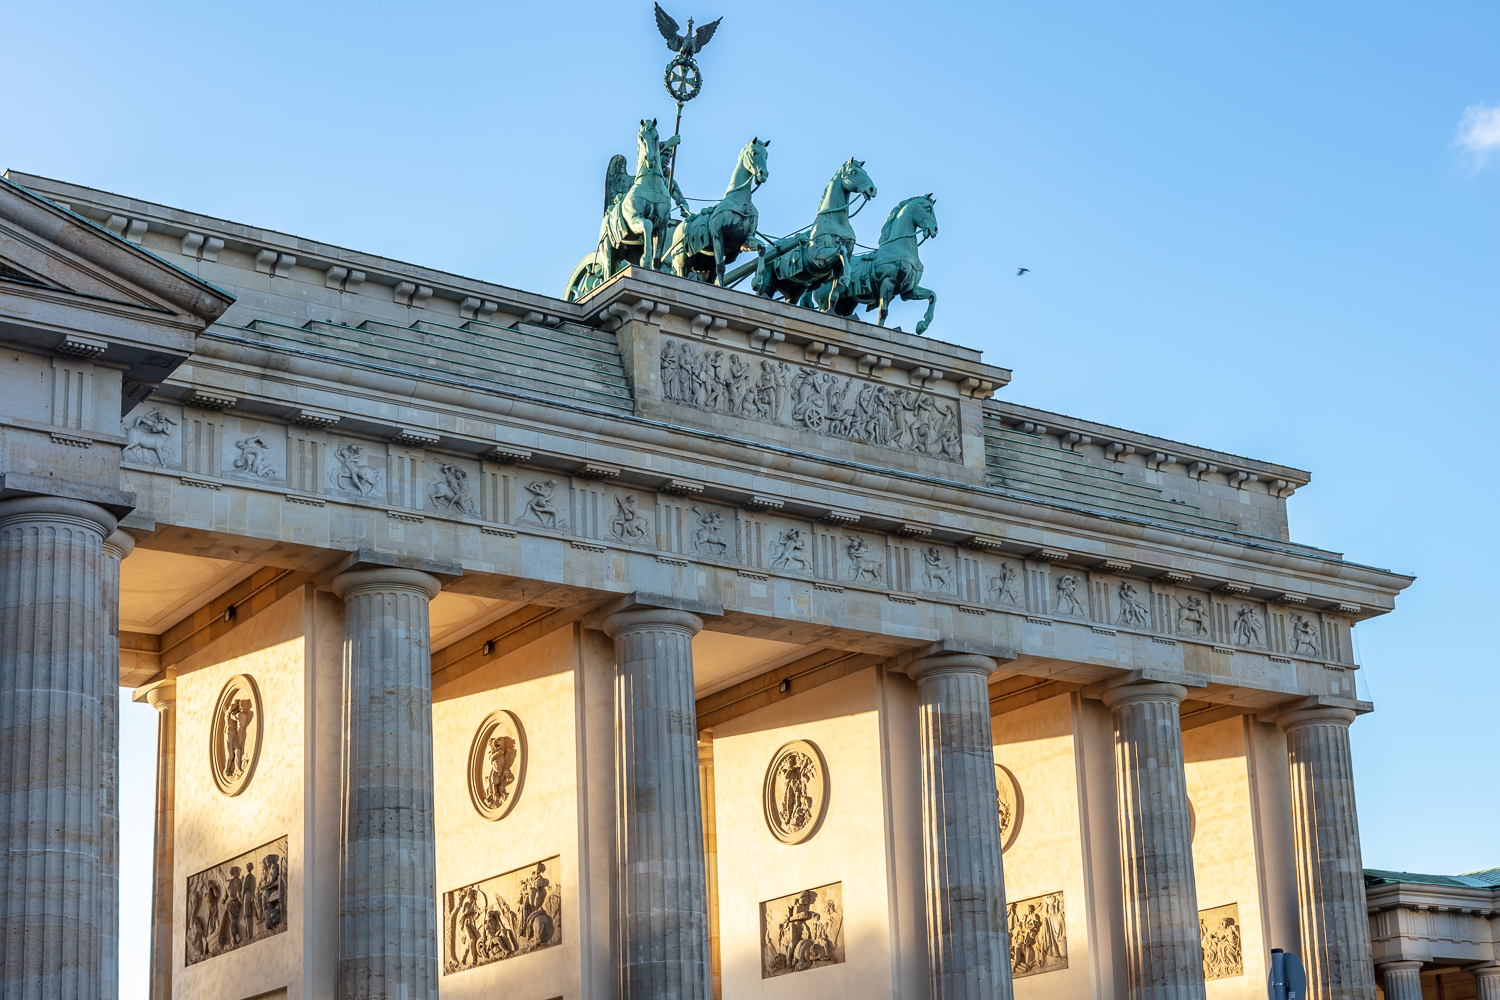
(1038, 935)
(802, 931)
(809, 400)
(238, 902)
(503, 916)
(1223, 956)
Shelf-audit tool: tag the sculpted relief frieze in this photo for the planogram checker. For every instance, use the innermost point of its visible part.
(497, 765)
(1223, 954)
(236, 903)
(1011, 804)
(501, 917)
(795, 793)
(809, 399)
(802, 931)
(1038, 935)
(151, 437)
(235, 734)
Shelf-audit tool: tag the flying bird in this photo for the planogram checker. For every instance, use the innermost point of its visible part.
(689, 42)
(1021, 270)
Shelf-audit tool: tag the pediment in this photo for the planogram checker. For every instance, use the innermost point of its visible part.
(49, 251)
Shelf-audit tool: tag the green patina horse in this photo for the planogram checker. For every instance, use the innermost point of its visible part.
(875, 279)
(802, 262)
(637, 209)
(705, 242)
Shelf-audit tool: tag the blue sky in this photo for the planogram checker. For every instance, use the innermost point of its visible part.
(1250, 227)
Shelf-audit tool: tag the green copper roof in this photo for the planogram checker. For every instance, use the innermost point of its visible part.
(1473, 880)
(564, 362)
(1023, 463)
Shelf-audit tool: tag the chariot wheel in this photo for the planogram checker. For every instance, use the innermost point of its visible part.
(587, 276)
(814, 419)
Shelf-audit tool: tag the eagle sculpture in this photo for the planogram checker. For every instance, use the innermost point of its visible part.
(689, 42)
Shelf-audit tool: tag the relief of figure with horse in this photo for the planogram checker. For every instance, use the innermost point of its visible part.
(816, 267)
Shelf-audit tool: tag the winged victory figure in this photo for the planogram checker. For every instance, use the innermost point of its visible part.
(689, 42)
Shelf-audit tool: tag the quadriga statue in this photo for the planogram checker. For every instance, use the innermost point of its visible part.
(796, 265)
(892, 270)
(705, 242)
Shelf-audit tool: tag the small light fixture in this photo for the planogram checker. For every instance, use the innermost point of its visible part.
(487, 648)
(229, 613)
(786, 686)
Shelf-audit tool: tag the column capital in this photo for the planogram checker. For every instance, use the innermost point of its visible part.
(1316, 715)
(1138, 691)
(1385, 967)
(648, 618)
(385, 578)
(45, 508)
(965, 663)
(160, 695)
(119, 544)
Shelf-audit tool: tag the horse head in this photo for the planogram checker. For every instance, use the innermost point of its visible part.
(924, 216)
(753, 159)
(854, 179)
(649, 144)
(912, 216)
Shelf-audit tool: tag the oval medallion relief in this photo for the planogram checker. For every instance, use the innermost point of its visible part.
(796, 792)
(497, 765)
(234, 735)
(1011, 804)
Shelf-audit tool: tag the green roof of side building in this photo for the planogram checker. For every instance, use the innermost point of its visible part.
(1488, 878)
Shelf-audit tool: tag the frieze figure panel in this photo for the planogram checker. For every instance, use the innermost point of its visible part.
(236, 903)
(1067, 596)
(708, 535)
(628, 523)
(235, 733)
(1005, 586)
(1038, 935)
(254, 458)
(865, 564)
(937, 571)
(452, 490)
(1134, 612)
(1306, 637)
(352, 472)
(541, 506)
(1223, 954)
(1249, 627)
(1192, 616)
(809, 399)
(501, 917)
(796, 792)
(789, 550)
(802, 931)
(149, 438)
(1011, 804)
(497, 765)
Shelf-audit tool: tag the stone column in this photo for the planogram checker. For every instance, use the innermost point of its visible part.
(968, 943)
(663, 890)
(163, 697)
(1403, 980)
(1330, 876)
(1163, 945)
(1487, 983)
(116, 547)
(388, 926)
(51, 576)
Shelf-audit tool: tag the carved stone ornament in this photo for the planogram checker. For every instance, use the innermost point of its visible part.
(809, 399)
(1223, 953)
(501, 917)
(1012, 806)
(796, 792)
(238, 902)
(802, 931)
(234, 735)
(1038, 935)
(497, 765)
(148, 438)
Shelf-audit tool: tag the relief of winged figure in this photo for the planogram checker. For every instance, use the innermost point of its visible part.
(689, 42)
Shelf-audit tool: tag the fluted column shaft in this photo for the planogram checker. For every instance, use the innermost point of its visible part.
(51, 578)
(663, 889)
(116, 547)
(1163, 945)
(387, 860)
(163, 698)
(1330, 875)
(968, 939)
(1403, 980)
(1487, 982)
